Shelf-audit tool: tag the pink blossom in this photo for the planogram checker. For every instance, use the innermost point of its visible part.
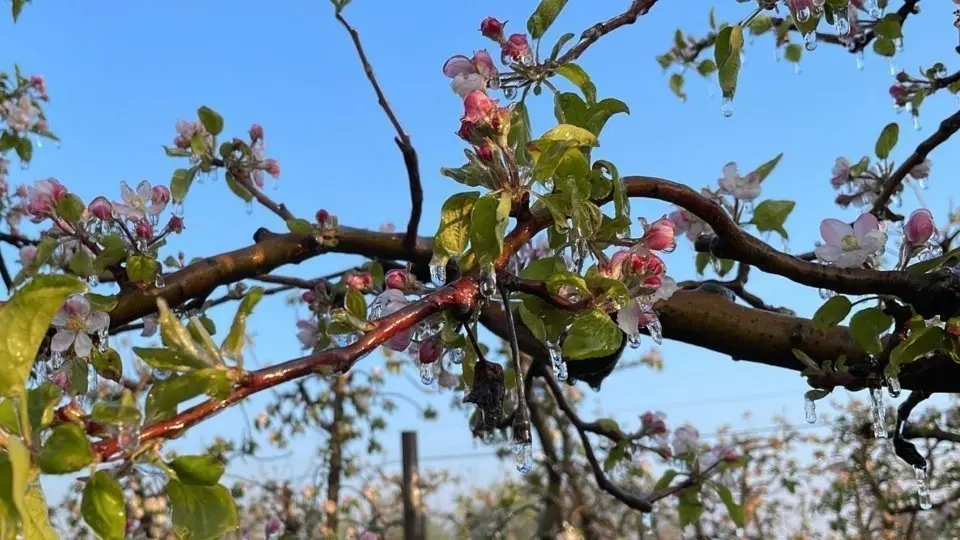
(659, 235)
(841, 172)
(745, 188)
(39, 83)
(140, 204)
(309, 297)
(470, 74)
(322, 216)
(654, 423)
(847, 246)
(160, 195)
(391, 301)
(688, 223)
(919, 227)
(921, 170)
(256, 132)
(27, 255)
(144, 230)
(175, 224)
(101, 209)
(400, 280)
(477, 107)
(42, 198)
(517, 48)
(75, 322)
(272, 167)
(686, 439)
(492, 28)
(358, 280)
(635, 315)
(485, 152)
(186, 131)
(429, 351)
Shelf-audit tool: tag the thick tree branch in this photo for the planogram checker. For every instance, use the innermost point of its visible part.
(410, 159)
(946, 130)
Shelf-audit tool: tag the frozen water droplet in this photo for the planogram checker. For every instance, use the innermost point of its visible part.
(803, 15)
(842, 24)
(523, 452)
(129, 438)
(893, 66)
(827, 294)
(893, 385)
(489, 436)
(743, 58)
(488, 282)
(93, 281)
(178, 209)
(776, 53)
(158, 281)
(879, 413)
(872, 8)
(556, 357)
(103, 337)
(656, 330)
(427, 373)
(797, 69)
(24, 165)
(455, 356)
(810, 41)
(711, 91)
(249, 209)
(916, 122)
(56, 358)
(509, 92)
(634, 340)
(141, 244)
(438, 273)
(899, 44)
(726, 106)
(810, 410)
(923, 490)
(859, 56)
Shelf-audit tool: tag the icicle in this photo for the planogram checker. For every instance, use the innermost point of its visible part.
(810, 410)
(916, 122)
(158, 281)
(859, 56)
(93, 281)
(178, 209)
(893, 385)
(656, 330)
(56, 359)
(427, 373)
(893, 66)
(427, 329)
(634, 340)
(488, 281)
(899, 43)
(523, 452)
(810, 41)
(559, 366)
(249, 208)
(726, 106)
(841, 22)
(872, 8)
(103, 336)
(455, 356)
(923, 491)
(797, 69)
(879, 413)
(438, 272)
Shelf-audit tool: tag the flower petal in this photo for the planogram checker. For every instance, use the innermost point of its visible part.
(97, 321)
(144, 190)
(62, 340)
(828, 253)
(78, 305)
(126, 193)
(874, 242)
(61, 318)
(82, 345)
(833, 230)
(400, 341)
(458, 65)
(628, 318)
(865, 224)
(730, 171)
(853, 259)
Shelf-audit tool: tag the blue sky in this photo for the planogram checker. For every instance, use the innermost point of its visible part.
(121, 73)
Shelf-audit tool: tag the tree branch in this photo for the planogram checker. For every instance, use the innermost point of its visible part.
(595, 32)
(410, 159)
(5, 274)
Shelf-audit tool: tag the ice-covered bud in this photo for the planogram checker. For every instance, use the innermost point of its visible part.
(160, 195)
(144, 230)
(659, 236)
(175, 224)
(358, 280)
(921, 170)
(39, 84)
(517, 48)
(653, 423)
(685, 439)
(492, 28)
(309, 297)
(27, 255)
(400, 280)
(322, 216)
(256, 132)
(272, 167)
(101, 209)
(485, 152)
(919, 227)
(429, 351)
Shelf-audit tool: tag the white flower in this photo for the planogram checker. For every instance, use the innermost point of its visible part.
(745, 188)
(840, 172)
(847, 246)
(690, 224)
(75, 323)
(686, 438)
(307, 334)
(138, 204)
(464, 83)
(921, 171)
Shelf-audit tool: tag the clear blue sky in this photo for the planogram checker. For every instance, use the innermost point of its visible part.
(121, 73)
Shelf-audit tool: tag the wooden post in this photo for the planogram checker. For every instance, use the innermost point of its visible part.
(413, 520)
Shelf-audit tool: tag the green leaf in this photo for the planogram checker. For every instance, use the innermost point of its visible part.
(24, 321)
(21, 497)
(25, 149)
(885, 47)
(793, 53)
(207, 512)
(919, 343)
(78, 372)
(676, 86)
(887, 140)
(571, 133)
(173, 333)
(198, 470)
(763, 171)
(616, 454)
(107, 364)
(544, 16)
(356, 304)
(559, 279)
(569, 108)
(232, 346)
(164, 396)
(454, 231)
(593, 334)
(35, 524)
(488, 223)
(701, 261)
(706, 67)
(690, 508)
(237, 188)
(40, 409)
(519, 134)
(70, 208)
(770, 215)
(180, 184)
(805, 358)
(533, 321)
(212, 121)
(17, 7)
(733, 509)
(575, 74)
(608, 291)
(299, 226)
(116, 413)
(560, 43)
(142, 269)
(664, 481)
(888, 27)
(100, 302)
(67, 450)
(832, 312)
(169, 359)
(866, 327)
(338, 5)
(541, 269)
(727, 57)
(103, 506)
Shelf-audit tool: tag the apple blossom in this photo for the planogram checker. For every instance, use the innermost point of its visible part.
(477, 107)
(39, 84)
(101, 209)
(358, 280)
(175, 224)
(27, 255)
(492, 28)
(840, 172)
(144, 230)
(689, 224)
(272, 167)
(745, 188)
(75, 322)
(390, 301)
(654, 423)
(921, 171)
(308, 333)
(185, 134)
(401, 280)
(21, 115)
(470, 74)
(686, 439)
(140, 204)
(485, 152)
(42, 197)
(322, 216)
(256, 132)
(430, 350)
(920, 227)
(309, 297)
(659, 235)
(847, 246)
(517, 48)
(160, 195)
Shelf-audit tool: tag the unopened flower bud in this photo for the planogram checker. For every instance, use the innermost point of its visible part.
(903, 77)
(492, 28)
(256, 132)
(272, 167)
(517, 48)
(176, 224)
(397, 279)
(477, 106)
(659, 235)
(953, 326)
(27, 254)
(160, 195)
(101, 209)
(144, 230)
(309, 297)
(322, 216)
(919, 227)
(430, 350)
(485, 152)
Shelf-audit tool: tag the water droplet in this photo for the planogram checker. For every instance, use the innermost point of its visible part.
(872, 8)
(177, 209)
(509, 92)
(802, 15)
(916, 122)
(489, 436)
(141, 244)
(923, 490)
(893, 385)
(93, 281)
(743, 58)
(634, 340)
(893, 66)
(494, 81)
(859, 56)
(249, 209)
(655, 329)
(797, 69)
(438, 273)
(158, 281)
(556, 357)
(776, 53)
(899, 44)
(879, 413)
(455, 356)
(810, 41)
(129, 438)
(103, 336)
(24, 165)
(488, 282)
(827, 294)
(523, 452)
(427, 329)
(726, 106)
(428, 373)
(56, 359)
(810, 410)
(376, 309)
(841, 24)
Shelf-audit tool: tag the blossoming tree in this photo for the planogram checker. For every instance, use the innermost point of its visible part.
(538, 249)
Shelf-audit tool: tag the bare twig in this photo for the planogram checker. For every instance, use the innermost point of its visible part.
(5, 274)
(410, 159)
(597, 31)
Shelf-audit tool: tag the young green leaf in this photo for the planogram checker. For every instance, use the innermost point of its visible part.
(763, 171)
(734, 510)
(770, 215)
(180, 183)
(576, 75)
(164, 397)
(727, 57)
(103, 506)
(488, 223)
(919, 343)
(67, 450)
(832, 312)
(356, 304)
(571, 133)
(544, 16)
(454, 231)
(198, 470)
(866, 327)
(207, 512)
(593, 334)
(211, 120)
(887, 140)
(232, 346)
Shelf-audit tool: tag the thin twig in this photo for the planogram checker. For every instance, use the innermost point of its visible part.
(410, 159)
(595, 32)
(5, 274)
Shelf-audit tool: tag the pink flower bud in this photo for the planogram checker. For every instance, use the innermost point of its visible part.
(144, 230)
(256, 132)
(492, 28)
(653, 423)
(517, 48)
(396, 279)
(920, 227)
(272, 167)
(322, 216)
(39, 83)
(57, 190)
(484, 64)
(477, 106)
(309, 297)
(899, 93)
(358, 280)
(22, 190)
(27, 254)
(430, 350)
(659, 235)
(101, 209)
(485, 152)
(176, 224)
(160, 195)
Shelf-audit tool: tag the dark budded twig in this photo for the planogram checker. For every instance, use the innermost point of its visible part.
(410, 159)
